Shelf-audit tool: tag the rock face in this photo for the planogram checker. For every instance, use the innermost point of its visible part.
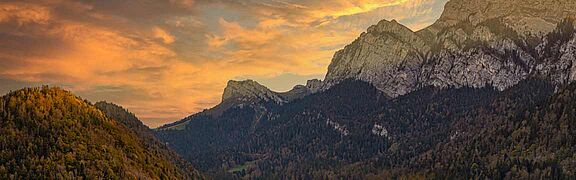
(536, 17)
(314, 85)
(250, 90)
(475, 43)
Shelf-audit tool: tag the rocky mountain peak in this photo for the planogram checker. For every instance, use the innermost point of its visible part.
(385, 26)
(252, 90)
(249, 90)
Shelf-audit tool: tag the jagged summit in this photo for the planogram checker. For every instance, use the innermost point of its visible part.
(475, 43)
(385, 26)
(249, 89)
(383, 46)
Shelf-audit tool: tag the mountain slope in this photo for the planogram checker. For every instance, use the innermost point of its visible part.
(218, 140)
(350, 122)
(50, 133)
(440, 119)
(147, 136)
(353, 122)
(523, 133)
(515, 137)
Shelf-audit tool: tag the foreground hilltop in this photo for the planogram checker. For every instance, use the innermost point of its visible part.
(50, 133)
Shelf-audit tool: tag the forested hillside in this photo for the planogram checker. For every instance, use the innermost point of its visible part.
(50, 133)
(146, 135)
(313, 136)
(354, 131)
(488, 141)
(521, 135)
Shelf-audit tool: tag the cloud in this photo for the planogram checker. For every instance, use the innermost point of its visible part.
(184, 3)
(167, 59)
(346, 8)
(24, 13)
(163, 35)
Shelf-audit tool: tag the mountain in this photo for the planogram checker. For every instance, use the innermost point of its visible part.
(250, 90)
(145, 134)
(353, 130)
(525, 132)
(349, 123)
(337, 126)
(473, 44)
(485, 92)
(250, 94)
(50, 133)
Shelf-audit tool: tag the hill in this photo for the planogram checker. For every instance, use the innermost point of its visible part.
(147, 136)
(50, 133)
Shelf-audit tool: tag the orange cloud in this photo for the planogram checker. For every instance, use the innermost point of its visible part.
(235, 33)
(185, 3)
(24, 13)
(346, 8)
(165, 60)
(163, 35)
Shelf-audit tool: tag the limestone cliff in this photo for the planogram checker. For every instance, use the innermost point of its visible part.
(475, 43)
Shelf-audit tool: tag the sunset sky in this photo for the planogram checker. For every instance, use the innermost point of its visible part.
(166, 59)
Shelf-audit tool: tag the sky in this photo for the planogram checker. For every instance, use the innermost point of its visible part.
(166, 59)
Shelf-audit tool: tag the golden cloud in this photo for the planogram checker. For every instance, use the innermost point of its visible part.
(346, 8)
(163, 35)
(167, 59)
(24, 13)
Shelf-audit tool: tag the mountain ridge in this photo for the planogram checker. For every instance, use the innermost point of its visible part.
(467, 46)
(249, 93)
(247, 90)
(473, 44)
(395, 104)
